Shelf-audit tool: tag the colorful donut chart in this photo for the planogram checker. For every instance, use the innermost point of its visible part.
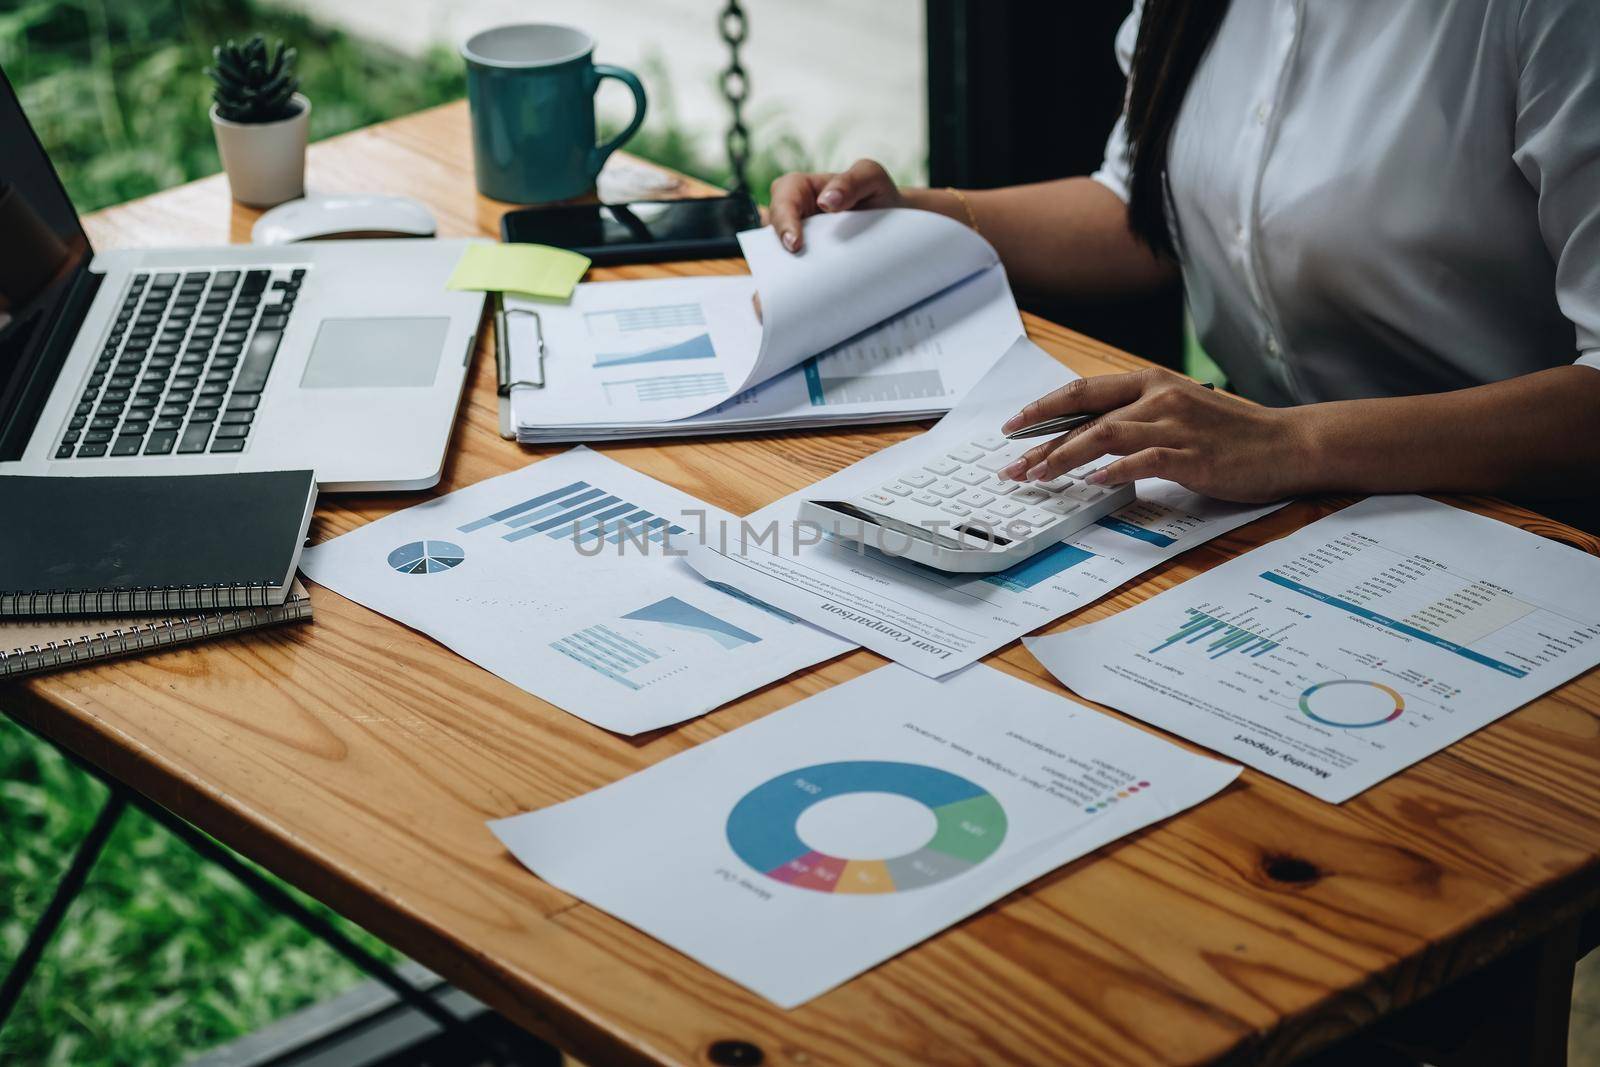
(1305, 704)
(761, 827)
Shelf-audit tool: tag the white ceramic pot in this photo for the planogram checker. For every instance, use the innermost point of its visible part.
(265, 161)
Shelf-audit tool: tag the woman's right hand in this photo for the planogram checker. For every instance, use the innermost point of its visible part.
(795, 196)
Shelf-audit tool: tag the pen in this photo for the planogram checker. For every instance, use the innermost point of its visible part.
(1061, 424)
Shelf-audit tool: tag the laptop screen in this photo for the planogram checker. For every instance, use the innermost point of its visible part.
(42, 246)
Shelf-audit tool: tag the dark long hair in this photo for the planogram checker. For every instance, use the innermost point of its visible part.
(1173, 36)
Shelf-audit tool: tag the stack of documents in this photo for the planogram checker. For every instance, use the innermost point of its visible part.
(886, 316)
(936, 622)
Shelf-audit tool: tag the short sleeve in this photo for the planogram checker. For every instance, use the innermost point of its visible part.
(1557, 148)
(1113, 172)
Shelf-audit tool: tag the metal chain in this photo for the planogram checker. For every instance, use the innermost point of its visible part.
(736, 89)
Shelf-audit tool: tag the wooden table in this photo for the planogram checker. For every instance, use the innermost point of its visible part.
(360, 760)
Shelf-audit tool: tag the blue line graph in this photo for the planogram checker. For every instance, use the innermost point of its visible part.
(696, 347)
(680, 615)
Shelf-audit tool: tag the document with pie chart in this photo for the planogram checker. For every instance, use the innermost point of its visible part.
(1364, 642)
(798, 851)
(561, 579)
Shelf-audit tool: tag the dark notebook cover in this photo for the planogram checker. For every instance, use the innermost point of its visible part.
(78, 546)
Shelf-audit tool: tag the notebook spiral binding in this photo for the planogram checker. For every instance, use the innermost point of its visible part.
(157, 634)
(54, 602)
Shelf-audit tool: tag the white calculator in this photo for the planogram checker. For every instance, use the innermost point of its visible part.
(955, 513)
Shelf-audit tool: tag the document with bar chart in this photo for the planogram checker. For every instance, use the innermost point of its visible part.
(1362, 643)
(563, 579)
(806, 847)
(889, 315)
(935, 622)
(634, 351)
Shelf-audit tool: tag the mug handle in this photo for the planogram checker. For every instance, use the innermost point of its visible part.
(601, 152)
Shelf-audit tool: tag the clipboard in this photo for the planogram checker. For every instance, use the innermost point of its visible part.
(504, 382)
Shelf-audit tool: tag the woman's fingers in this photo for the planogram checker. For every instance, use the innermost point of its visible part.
(1103, 437)
(1102, 393)
(1019, 468)
(794, 196)
(864, 180)
(1146, 463)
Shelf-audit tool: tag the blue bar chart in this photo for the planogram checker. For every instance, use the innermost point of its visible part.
(579, 512)
(653, 642)
(1221, 637)
(665, 387)
(651, 317)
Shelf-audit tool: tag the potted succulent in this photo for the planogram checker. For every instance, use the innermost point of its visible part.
(260, 120)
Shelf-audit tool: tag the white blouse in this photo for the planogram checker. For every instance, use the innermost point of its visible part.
(1387, 197)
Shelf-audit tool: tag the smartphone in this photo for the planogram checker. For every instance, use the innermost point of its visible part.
(643, 231)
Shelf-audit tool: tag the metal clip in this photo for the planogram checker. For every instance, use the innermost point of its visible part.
(502, 352)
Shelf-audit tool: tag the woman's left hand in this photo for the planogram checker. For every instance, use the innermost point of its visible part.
(1167, 426)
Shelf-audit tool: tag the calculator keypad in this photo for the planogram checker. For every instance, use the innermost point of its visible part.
(960, 486)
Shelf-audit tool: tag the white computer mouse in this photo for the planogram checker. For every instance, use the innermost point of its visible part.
(322, 216)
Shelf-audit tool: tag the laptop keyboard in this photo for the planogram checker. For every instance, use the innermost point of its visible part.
(184, 366)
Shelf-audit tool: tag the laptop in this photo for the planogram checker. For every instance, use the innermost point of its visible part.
(343, 357)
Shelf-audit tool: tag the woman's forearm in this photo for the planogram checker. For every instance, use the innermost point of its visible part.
(1536, 435)
(1068, 237)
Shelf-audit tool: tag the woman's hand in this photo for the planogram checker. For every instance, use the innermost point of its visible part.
(1166, 426)
(796, 196)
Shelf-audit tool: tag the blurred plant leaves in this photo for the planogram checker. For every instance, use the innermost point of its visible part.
(118, 93)
(162, 956)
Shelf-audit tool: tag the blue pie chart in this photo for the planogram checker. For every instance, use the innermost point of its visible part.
(426, 557)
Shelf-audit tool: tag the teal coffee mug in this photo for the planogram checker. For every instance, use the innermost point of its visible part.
(531, 89)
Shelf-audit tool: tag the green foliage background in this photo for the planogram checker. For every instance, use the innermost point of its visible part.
(163, 955)
(116, 90)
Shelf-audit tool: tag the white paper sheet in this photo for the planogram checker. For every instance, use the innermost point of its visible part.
(1352, 649)
(644, 351)
(857, 269)
(517, 574)
(891, 313)
(934, 622)
(798, 851)
(916, 364)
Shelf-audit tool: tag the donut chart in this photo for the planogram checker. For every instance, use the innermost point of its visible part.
(1346, 709)
(761, 827)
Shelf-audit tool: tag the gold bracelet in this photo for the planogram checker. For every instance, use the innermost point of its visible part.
(966, 205)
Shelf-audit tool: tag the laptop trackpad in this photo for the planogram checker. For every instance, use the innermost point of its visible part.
(369, 353)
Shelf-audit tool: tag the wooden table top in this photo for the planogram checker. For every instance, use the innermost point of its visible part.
(360, 761)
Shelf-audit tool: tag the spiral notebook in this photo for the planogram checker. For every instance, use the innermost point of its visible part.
(114, 546)
(30, 646)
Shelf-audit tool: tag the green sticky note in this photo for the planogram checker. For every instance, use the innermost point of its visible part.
(534, 270)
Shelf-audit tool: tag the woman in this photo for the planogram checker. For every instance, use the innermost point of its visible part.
(1386, 217)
